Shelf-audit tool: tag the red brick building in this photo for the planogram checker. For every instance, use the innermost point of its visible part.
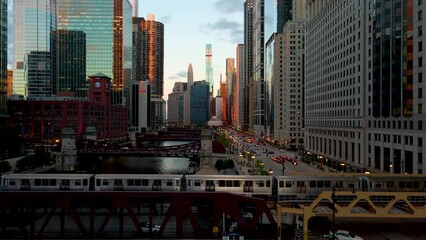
(43, 119)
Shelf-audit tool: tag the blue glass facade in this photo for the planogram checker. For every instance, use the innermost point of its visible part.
(34, 25)
(200, 102)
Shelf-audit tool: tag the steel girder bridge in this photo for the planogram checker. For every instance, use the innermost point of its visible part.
(68, 215)
(356, 205)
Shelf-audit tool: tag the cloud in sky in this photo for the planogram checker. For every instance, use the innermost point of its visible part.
(179, 75)
(234, 29)
(165, 19)
(229, 6)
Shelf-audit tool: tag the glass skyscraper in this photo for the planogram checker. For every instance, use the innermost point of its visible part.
(108, 29)
(209, 67)
(200, 97)
(3, 57)
(71, 49)
(34, 24)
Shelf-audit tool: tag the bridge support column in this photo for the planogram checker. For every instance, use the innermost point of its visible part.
(279, 213)
(66, 160)
(307, 214)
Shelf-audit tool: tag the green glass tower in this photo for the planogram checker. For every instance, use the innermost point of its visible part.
(107, 26)
(71, 49)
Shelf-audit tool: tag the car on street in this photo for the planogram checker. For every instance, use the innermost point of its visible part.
(342, 235)
(146, 225)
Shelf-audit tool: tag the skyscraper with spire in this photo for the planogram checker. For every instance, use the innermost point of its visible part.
(209, 67)
(187, 100)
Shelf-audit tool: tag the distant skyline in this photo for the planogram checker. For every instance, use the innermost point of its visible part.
(188, 26)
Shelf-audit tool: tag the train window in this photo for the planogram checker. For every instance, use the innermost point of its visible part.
(401, 184)
(145, 182)
(37, 182)
(12, 182)
(157, 182)
(320, 184)
(197, 183)
(77, 182)
(105, 182)
(268, 183)
(378, 185)
(169, 183)
(260, 183)
(130, 182)
(409, 185)
(45, 182)
(312, 184)
(281, 184)
(85, 182)
(416, 184)
(300, 183)
(221, 183)
(52, 182)
(98, 182)
(351, 185)
(138, 182)
(236, 183)
(327, 184)
(288, 184)
(229, 183)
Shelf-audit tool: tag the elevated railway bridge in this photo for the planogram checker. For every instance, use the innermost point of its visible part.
(191, 214)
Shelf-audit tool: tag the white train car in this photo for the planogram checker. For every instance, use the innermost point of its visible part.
(239, 184)
(137, 182)
(382, 182)
(314, 184)
(46, 182)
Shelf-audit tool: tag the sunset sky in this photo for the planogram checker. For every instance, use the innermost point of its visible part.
(188, 26)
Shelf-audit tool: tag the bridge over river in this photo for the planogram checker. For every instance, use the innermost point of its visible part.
(184, 150)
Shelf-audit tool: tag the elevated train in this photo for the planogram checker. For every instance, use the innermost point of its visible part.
(257, 186)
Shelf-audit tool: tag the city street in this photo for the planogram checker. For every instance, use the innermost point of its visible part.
(262, 154)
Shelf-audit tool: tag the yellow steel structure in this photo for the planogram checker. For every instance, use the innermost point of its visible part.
(358, 204)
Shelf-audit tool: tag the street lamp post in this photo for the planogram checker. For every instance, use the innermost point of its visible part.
(283, 167)
(252, 164)
(333, 198)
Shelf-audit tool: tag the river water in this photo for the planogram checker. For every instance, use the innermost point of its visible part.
(151, 165)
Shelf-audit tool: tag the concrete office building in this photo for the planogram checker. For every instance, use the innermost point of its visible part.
(238, 88)
(176, 104)
(288, 81)
(364, 84)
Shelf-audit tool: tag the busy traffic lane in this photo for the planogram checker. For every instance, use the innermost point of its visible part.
(263, 152)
